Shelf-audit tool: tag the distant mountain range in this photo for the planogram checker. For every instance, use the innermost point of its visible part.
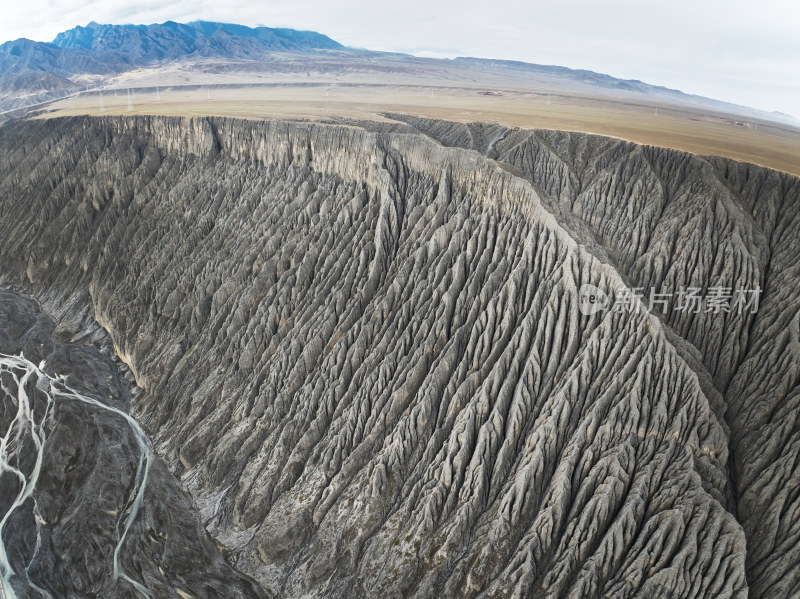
(35, 72)
(145, 44)
(32, 72)
(103, 49)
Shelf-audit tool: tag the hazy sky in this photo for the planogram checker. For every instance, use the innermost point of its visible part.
(740, 51)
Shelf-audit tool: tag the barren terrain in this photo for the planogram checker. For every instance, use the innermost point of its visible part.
(362, 89)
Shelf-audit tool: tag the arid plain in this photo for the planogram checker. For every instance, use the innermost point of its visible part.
(486, 91)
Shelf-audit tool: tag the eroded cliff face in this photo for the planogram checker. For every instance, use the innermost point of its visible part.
(669, 220)
(361, 351)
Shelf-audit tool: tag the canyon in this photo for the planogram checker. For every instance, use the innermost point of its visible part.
(267, 358)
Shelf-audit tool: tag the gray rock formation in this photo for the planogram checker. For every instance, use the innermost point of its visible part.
(361, 352)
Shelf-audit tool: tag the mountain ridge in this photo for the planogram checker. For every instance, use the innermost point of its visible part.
(142, 42)
(105, 49)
